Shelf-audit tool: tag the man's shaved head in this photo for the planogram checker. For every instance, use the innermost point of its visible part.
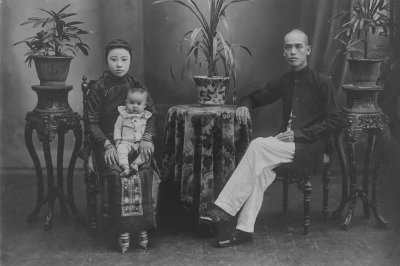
(298, 32)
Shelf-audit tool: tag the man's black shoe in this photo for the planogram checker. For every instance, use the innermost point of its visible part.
(214, 214)
(237, 237)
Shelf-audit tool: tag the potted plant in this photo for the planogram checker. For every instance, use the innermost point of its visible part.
(53, 44)
(207, 44)
(366, 19)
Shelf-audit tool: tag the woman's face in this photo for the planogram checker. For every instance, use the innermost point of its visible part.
(118, 61)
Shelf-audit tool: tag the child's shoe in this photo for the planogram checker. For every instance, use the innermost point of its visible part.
(125, 170)
(134, 168)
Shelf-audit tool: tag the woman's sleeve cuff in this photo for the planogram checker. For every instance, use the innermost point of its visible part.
(107, 142)
(147, 137)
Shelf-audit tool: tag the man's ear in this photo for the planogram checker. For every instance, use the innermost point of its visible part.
(308, 49)
(126, 101)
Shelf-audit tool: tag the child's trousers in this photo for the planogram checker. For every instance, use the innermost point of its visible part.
(123, 151)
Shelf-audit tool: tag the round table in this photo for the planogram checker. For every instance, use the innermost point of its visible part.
(202, 146)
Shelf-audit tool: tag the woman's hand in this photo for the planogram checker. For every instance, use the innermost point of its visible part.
(110, 155)
(146, 149)
(243, 114)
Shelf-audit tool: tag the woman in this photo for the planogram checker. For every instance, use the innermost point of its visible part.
(127, 211)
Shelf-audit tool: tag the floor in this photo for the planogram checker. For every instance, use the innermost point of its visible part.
(278, 238)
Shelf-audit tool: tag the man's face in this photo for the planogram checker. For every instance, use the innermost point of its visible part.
(296, 50)
(118, 61)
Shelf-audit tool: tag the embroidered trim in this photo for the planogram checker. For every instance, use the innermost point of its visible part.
(131, 202)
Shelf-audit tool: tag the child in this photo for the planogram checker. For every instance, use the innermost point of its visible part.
(129, 128)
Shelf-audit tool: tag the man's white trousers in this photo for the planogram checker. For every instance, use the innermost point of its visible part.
(251, 178)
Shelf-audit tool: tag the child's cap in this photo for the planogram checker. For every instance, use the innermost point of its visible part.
(117, 43)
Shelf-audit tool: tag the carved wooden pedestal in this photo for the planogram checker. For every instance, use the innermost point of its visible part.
(52, 116)
(361, 114)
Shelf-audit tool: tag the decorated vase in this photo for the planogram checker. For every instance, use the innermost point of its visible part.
(211, 90)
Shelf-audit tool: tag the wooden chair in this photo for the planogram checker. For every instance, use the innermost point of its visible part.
(287, 175)
(95, 185)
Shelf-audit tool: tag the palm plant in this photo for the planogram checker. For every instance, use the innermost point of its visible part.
(365, 18)
(207, 39)
(56, 37)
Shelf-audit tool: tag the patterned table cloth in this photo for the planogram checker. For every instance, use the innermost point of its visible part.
(202, 146)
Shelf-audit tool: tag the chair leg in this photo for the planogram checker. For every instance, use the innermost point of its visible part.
(91, 191)
(285, 184)
(104, 197)
(307, 198)
(325, 189)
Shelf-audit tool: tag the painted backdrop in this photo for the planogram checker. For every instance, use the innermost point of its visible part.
(153, 32)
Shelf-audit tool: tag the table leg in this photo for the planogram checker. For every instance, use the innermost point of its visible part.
(60, 185)
(39, 174)
(353, 186)
(342, 160)
(379, 147)
(78, 143)
(51, 195)
(367, 160)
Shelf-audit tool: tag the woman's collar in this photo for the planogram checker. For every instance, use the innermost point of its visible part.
(115, 79)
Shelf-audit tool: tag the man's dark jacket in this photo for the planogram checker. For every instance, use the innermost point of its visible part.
(309, 95)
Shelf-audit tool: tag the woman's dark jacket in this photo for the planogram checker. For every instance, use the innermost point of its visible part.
(106, 95)
(309, 95)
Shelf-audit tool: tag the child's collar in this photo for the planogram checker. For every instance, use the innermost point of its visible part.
(122, 111)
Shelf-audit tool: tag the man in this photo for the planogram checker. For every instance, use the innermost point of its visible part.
(309, 114)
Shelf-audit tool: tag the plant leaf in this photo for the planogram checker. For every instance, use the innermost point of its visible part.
(62, 9)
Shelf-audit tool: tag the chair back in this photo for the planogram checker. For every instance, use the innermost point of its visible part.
(86, 87)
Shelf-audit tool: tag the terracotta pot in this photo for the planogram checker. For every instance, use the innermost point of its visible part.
(364, 71)
(211, 90)
(52, 70)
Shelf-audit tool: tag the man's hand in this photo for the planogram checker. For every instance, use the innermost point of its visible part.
(110, 155)
(146, 149)
(243, 114)
(287, 136)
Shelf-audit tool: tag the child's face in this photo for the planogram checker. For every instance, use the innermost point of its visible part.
(136, 102)
(118, 61)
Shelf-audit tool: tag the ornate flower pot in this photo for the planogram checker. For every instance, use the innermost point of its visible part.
(364, 71)
(211, 90)
(52, 70)
(362, 99)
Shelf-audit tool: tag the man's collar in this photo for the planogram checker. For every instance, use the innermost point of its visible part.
(301, 73)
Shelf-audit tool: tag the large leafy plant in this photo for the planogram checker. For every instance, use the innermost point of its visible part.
(365, 19)
(207, 40)
(55, 36)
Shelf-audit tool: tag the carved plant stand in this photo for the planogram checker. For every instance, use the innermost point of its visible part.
(362, 114)
(53, 116)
